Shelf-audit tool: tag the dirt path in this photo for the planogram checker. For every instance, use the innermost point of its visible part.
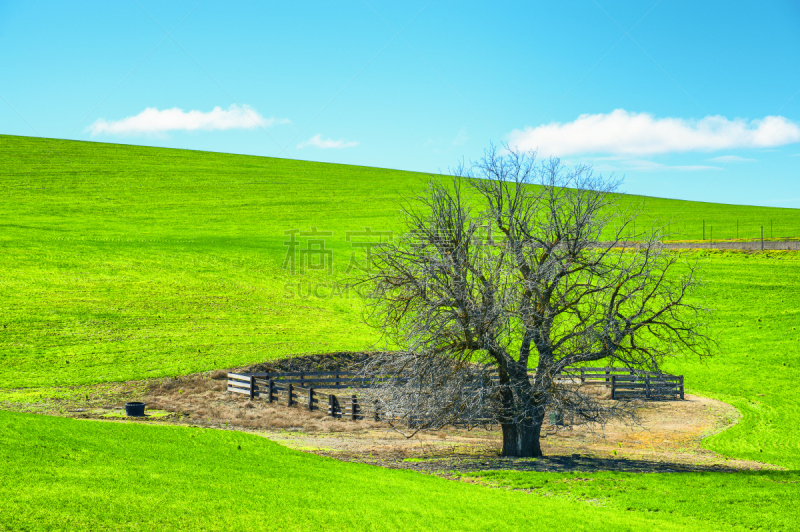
(669, 438)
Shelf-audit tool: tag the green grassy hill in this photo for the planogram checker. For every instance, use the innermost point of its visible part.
(124, 262)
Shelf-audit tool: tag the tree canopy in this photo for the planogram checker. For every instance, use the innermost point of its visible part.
(524, 269)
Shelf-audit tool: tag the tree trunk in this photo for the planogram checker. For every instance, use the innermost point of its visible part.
(522, 440)
(521, 416)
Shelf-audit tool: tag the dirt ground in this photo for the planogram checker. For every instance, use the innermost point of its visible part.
(669, 437)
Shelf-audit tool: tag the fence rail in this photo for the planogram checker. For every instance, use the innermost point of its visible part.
(290, 394)
(630, 384)
(309, 390)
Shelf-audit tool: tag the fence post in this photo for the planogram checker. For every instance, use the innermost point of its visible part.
(337, 379)
(681, 387)
(613, 386)
(271, 394)
(647, 387)
(302, 380)
(583, 379)
(311, 399)
(252, 387)
(608, 372)
(377, 411)
(289, 394)
(330, 406)
(353, 407)
(762, 238)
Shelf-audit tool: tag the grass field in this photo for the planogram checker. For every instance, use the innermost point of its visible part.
(180, 478)
(753, 501)
(757, 364)
(123, 262)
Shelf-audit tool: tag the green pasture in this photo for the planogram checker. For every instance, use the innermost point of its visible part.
(756, 322)
(683, 220)
(181, 478)
(125, 262)
(121, 262)
(752, 501)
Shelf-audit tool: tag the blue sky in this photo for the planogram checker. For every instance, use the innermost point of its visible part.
(687, 100)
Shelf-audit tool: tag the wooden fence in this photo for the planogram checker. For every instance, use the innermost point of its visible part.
(628, 384)
(307, 390)
(310, 390)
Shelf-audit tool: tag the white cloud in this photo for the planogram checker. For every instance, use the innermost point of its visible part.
(621, 132)
(151, 121)
(318, 142)
(621, 163)
(650, 166)
(731, 159)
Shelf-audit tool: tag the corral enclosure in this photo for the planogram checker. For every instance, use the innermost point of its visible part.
(320, 390)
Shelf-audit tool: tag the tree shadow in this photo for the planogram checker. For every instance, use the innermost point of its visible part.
(594, 464)
(558, 464)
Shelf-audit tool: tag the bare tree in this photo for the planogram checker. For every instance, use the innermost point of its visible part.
(516, 265)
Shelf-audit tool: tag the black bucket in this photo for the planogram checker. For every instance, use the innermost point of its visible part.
(134, 409)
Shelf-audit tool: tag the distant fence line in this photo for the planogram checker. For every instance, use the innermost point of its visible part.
(750, 245)
(310, 390)
(766, 245)
(741, 229)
